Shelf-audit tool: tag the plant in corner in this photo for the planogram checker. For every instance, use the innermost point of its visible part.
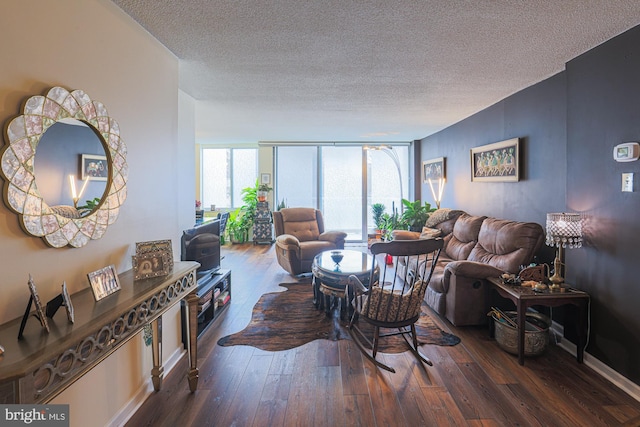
(415, 214)
(378, 209)
(241, 220)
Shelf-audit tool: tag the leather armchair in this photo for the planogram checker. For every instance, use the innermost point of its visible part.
(300, 236)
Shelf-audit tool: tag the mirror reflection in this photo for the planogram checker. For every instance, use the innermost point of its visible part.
(71, 168)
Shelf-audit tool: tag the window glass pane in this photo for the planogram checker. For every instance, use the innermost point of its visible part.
(387, 168)
(342, 190)
(297, 176)
(225, 172)
(245, 172)
(215, 177)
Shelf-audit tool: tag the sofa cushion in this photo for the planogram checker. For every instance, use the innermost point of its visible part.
(507, 244)
(460, 242)
(301, 223)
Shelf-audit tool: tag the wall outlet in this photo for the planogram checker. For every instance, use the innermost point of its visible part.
(627, 182)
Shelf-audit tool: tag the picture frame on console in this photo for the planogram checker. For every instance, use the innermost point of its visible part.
(155, 246)
(40, 312)
(152, 259)
(497, 162)
(151, 264)
(104, 282)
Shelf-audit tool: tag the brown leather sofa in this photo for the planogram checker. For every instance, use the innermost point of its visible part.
(475, 248)
(300, 236)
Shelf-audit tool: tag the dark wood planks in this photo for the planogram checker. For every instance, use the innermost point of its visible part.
(327, 383)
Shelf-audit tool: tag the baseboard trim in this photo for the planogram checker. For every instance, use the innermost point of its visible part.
(619, 380)
(127, 411)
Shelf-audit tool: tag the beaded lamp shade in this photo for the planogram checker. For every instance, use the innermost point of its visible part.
(564, 230)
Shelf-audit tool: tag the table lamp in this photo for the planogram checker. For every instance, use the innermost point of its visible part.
(563, 230)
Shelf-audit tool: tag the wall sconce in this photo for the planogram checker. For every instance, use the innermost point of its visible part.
(563, 230)
(74, 196)
(438, 197)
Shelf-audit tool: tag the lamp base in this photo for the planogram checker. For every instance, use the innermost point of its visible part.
(556, 280)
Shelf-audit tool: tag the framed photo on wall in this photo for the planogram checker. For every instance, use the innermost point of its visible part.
(104, 282)
(497, 162)
(94, 167)
(265, 178)
(433, 170)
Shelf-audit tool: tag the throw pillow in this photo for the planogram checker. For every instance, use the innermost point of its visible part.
(430, 233)
(437, 216)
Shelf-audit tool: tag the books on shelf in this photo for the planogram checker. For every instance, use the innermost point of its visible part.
(223, 298)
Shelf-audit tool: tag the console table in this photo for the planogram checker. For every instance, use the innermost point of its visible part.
(38, 367)
(524, 297)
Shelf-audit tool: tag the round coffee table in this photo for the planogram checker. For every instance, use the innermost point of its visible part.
(330, 279)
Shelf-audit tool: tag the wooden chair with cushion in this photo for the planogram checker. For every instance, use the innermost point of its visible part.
(300, 236)
(392, 299)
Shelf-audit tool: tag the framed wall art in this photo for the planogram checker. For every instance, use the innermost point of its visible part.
(496, 162)
(265, 178)
(151, 264)
(433, 170)
(104, 282)
(94, 168)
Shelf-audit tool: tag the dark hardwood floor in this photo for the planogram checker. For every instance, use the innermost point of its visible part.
(326, 383)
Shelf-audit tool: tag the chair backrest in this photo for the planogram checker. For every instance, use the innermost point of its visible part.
(223, 217)
(395, 295)
(304, 223)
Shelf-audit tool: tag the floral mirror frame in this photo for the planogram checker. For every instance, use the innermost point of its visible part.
(17, 166)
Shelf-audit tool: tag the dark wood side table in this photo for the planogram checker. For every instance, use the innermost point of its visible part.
(524, 297)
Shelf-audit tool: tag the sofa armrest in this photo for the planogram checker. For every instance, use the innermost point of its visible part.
(288, 240)
(405, 235)
(476, 270)
(335, 237)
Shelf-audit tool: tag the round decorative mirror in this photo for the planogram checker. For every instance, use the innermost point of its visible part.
(72, 208)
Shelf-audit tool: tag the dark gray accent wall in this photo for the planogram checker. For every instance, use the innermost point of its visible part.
(569, 124)
(603, 87)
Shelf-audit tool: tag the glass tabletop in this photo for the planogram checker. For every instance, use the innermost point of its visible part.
(353, 262)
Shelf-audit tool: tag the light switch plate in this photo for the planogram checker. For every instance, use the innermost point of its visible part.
(627, 182)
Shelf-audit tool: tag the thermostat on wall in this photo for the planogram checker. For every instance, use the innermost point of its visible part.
(626, 152)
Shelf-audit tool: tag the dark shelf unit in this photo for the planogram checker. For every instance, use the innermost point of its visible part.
(210, 308)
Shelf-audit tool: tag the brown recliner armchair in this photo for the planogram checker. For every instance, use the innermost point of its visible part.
(300, 236)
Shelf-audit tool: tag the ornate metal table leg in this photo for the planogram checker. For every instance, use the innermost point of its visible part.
(157, 373)
(192, 339)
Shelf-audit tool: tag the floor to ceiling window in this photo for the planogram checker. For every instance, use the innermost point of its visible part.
(225, 172)
(343, 181)
(342, 200)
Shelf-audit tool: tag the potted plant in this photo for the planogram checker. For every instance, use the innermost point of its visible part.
(238, 226)
(388, 223)
(415, 214)
(263, 192)
(241, 220)
(378, 209)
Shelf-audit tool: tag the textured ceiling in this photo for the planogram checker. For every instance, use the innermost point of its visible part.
(345, 70)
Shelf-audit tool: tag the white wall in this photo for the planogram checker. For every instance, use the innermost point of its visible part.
(92, 45)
